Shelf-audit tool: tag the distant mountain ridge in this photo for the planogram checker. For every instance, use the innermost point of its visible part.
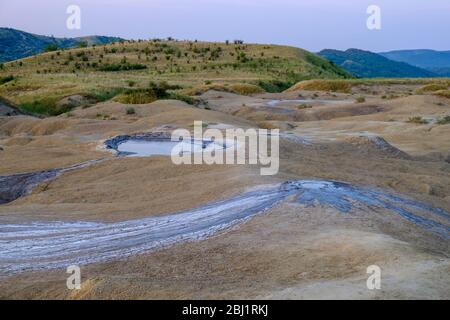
(366, 64)
(431, 60)
(16, 44)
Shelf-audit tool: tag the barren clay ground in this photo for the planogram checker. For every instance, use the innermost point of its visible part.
(296, 249)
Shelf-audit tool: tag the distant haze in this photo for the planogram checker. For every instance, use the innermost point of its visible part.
(310, 24)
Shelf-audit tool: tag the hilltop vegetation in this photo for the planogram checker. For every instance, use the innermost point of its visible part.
(105, 71)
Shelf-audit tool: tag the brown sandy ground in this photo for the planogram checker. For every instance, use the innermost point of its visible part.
(291, 252)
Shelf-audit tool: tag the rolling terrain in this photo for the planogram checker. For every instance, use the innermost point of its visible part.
(366, 64)
(437, 62)
(39, 83)
(363, 177)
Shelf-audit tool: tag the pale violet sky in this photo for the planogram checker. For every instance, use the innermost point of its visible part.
(310, 24)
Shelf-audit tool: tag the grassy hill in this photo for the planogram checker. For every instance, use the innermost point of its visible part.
(16, 44)
(366, 64)
(37, 83)
(434, 61)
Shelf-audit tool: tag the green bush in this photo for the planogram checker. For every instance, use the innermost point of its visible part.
(51, 47)
(444, 120)
(105, 94)
(136, 96)
(183, 97)
(6, 79)
(131, 110)
(442, 93)
(417, 120)
(46, 106)
(82, 44)
(360, 100)
(111, 67)
(274, 85)
(432, 87)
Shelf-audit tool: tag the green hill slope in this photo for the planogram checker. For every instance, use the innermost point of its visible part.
(16, 44)
(366, 64)
(103, 71)
(434, 61)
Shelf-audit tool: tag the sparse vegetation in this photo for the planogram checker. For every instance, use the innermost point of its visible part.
(6, 79)
(239, 88)
(264, 68)
(274, 85)
(105, 94)
(155, 91)
(183, 97)
(443, 93)
(323, 85)
(432, 88)
(136, 96)
(345, 85)
(121, 67)
(417, 120)
(45, 106)
(246, 68)
(130, 111)
(360, 99)
(51, 47)
(267, 125)
(304, 106)
(444, 120)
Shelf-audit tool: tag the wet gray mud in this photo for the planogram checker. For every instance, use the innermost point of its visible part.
(48, 245)
(15, 186)
(159, 143)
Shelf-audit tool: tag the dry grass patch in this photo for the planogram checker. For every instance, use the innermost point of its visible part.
(238, 88)
(417, 120)
(267, 125)
(432, 88)
(323, 85)
(443, 93)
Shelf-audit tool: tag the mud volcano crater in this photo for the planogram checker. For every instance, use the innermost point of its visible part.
(158, 144)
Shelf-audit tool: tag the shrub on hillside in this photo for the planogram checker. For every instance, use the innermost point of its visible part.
(417, 120)
(274, 85)
(111, 67)
(131, 110)
(155, 91)
(432, 88)
(46, 106)
(323, 85)
(6, 79)
(51, 47)
(360, 100)
(444, 120)
(239, 88)
(443, 93)
(136, 96)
